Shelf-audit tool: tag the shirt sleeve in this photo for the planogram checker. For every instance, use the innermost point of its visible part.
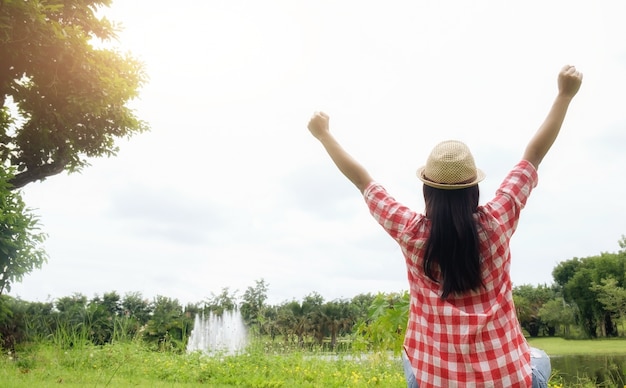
(390, 214)
(512, 195)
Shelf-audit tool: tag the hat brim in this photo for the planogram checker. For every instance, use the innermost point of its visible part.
(480, 175)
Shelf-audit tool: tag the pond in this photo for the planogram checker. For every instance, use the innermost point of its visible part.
(604, 370)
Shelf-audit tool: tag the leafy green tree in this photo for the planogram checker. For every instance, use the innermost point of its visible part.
(523, 308)
(224, 301)
(135, 306)
(311, 312)
(40, 320)
(253, 302)
(361, 304)
(21, 241)
(111, 302)
(528, 301)
(63, 95)
(13, 329)
(577, 290)
(294, 319)
(268, 321)
(556, 313)
(64, 98)
(286, 314)
(72, 309)
(565, 270)
(576, 278)
(612, 297)
(99, 322)
(104, 318)
(166, 328)
(339, 319)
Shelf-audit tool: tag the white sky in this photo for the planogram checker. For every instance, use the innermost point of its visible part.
(229, 187)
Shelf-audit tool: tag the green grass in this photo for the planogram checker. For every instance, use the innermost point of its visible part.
(133, 364)
(123, 365)
(582, 354)
(562, 347)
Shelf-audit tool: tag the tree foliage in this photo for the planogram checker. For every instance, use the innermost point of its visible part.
(556, 313)
(593, 284)
(254, 301)
(224, 301)
(588, 294)
(63, 95)
(21, 240)
(64, 98)
(528, 301)
(611, 296)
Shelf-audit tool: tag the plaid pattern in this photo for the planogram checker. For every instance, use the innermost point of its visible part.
(470, 340)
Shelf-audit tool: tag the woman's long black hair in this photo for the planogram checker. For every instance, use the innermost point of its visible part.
(453, 244)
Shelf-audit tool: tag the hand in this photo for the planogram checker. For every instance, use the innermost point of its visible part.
(569, 81)
(318, 124)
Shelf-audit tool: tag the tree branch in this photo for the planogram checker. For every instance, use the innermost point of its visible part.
(39, 173)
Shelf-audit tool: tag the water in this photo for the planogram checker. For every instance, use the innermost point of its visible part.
(601, 369)
(218, 334)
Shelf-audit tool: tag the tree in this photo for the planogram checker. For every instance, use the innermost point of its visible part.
(612, 297)
(20, 238)
(566, 270)
(576, 277)
(361, 304)
(103, 317)
(556, 312)
(295, 319)
(167, 326)
(253, 302)
(224, 301)
(311, 309)
(136, 307)
(13, 327)
(528, 300)
(339, 318)
(63, 99)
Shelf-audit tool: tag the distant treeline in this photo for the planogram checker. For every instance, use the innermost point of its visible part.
(587, 300)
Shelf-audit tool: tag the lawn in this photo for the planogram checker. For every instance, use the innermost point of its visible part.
(124, 365)
(133, 364)
(562, 347)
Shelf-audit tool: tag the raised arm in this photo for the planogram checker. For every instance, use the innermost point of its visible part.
(357, 174)
(569, 81)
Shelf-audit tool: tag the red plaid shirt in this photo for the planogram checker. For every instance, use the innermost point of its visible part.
(474, 339)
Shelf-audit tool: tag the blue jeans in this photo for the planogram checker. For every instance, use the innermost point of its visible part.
(539, 363)
(411, 382)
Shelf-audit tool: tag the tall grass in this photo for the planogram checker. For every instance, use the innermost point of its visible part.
(133, 364)
(68, 336)
(68, 359)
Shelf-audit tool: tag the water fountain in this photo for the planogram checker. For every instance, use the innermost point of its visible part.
(224, 333)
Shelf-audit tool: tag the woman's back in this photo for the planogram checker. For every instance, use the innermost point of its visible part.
(474, 335)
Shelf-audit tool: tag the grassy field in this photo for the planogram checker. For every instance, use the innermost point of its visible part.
(134, 365)
(562, 347)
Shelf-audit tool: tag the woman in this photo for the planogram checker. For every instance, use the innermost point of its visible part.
(462, 330)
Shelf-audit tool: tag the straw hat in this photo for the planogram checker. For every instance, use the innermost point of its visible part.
(450, 166)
